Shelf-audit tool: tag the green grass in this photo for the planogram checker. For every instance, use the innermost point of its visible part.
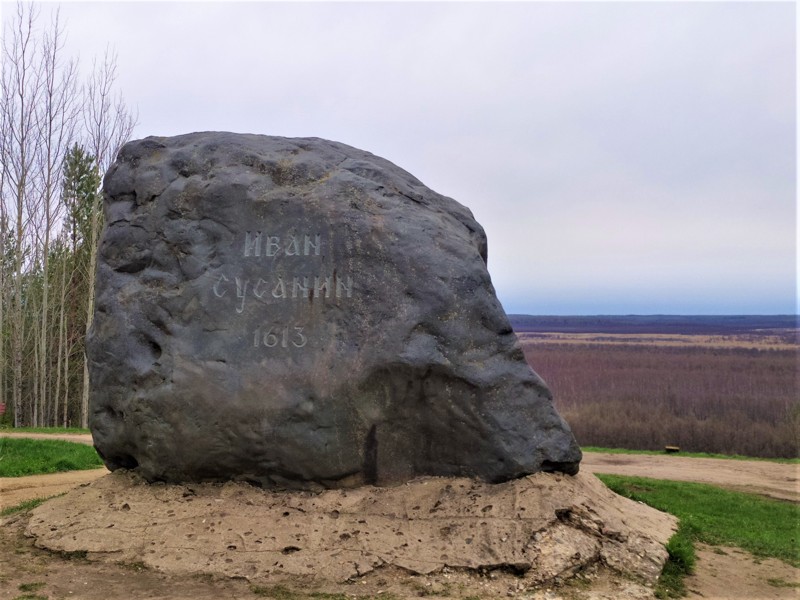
(762, 526)
(782, 583)
(680, 563)
(23, 506)
(791, 461)
(19, 457)
(281, 592)
(43, 430)
(31, 587)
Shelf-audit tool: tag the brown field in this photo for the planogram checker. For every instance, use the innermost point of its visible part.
(728, 394)
(774, 340)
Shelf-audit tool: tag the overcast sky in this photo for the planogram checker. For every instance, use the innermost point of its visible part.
(622, 157)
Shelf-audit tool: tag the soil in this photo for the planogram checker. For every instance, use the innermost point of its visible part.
(722, 573)
(776, 480)
(446, 537)
(733, 574)
(22, 566)
(15, 490)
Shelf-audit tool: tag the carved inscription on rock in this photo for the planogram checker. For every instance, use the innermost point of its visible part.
(301, 313)
(274, 245)
(277, 268)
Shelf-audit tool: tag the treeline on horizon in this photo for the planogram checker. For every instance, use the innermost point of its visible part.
(702, 399)
(665, 324)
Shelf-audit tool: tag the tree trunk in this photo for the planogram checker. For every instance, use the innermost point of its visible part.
(67, 349)
(3, 234)
(90, 308)
(61, 338)
(57, 123)
(16, 324)
(20, 92)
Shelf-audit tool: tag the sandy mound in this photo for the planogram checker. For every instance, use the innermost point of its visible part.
(540, 527)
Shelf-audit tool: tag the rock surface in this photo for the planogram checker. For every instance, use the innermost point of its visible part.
(541, 527)
(298, 313)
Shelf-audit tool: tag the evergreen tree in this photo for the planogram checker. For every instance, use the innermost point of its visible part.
(80, 195)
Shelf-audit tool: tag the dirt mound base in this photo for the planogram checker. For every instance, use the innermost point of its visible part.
(541, 527)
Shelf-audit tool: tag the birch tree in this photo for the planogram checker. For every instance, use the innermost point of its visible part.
(109, 124)
(20, 89)
(44, 112)
(57, 123)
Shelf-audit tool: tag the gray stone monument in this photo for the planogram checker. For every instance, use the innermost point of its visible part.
(299, 313)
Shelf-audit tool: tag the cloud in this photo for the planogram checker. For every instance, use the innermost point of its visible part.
(638, 155)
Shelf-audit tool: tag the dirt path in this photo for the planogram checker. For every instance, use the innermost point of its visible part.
(776, 480)
(14, 490)
(733, 574)
(781, 481)
(79, 438)
(722, 573)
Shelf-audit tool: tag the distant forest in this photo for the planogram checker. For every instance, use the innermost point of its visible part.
(675, 324)
(724, 384)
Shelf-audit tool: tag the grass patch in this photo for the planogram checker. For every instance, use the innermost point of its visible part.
(281, 592)
(782, 583)
(788, 461)
(28, 588)
(43, 430)
(20, 457)
(23, 506)
(443, 589)
(137, 567)
(762, 526)
(277, 592)
(680, 563)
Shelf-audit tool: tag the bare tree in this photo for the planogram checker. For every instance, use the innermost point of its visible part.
(45, 289)
(5, 236)
(107, 119)
(109, 124)
(57, 119)
(20, 87)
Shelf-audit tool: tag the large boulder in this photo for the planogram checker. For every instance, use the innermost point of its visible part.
(300, 313)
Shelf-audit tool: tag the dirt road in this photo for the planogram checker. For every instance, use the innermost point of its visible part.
(723, 573)
(79, 438)
(781, 481)
(776, 480)
(14, 490)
